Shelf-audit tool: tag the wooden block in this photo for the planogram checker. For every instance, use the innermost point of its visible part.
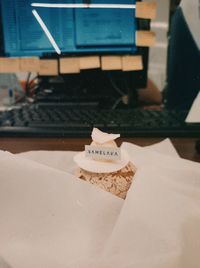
(48, 67)
(145, 38)
(91, 62)
(146, 10)
(132, 63)
(9, 65)
(31, 64)
(111, 63)
(69, 65)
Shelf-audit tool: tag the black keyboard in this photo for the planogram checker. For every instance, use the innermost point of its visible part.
(69, 121)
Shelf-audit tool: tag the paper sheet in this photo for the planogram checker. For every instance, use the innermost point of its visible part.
(164, 147)
(64, 160)
(51, 219)
(188, 8)
(161, 216)
(194, 113)
(158, 225)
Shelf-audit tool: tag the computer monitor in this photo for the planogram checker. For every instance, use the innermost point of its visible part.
(77, 31)
(32, 28)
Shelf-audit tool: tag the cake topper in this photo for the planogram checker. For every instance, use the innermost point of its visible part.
(101, 137)
(102, 155)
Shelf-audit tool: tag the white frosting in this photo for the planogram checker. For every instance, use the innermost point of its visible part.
(106, 144)
(101, 137)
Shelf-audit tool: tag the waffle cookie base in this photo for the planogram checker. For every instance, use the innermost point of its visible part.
(116, 183)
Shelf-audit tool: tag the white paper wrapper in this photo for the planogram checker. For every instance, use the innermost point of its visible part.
(3, 264)
(51, 219)
(164, 147)
(158, 225)
(63, 160)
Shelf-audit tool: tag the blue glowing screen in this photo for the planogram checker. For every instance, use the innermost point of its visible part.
(73, 30)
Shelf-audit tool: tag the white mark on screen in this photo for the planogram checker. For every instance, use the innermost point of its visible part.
(45, 29)
(115, 6)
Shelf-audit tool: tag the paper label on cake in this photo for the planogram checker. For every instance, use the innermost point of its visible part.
(102, 153)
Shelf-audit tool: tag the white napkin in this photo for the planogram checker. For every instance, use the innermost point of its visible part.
(159, 224)
(3, 264)
(164, 147)
(60, 160)
(51, 219)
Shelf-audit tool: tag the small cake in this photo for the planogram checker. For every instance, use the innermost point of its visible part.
(116, 183)
(105, 165)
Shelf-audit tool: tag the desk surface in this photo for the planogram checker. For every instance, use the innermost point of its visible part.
(184, 146)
